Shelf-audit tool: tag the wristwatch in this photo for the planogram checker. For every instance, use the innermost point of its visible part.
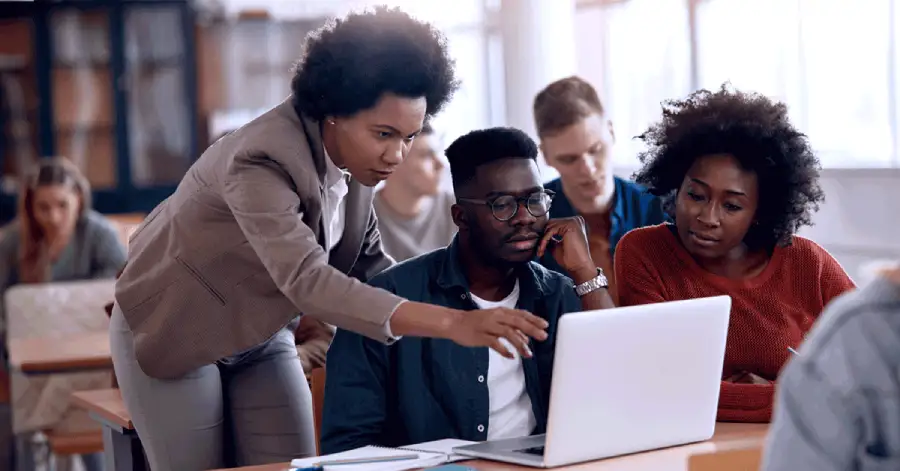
(593, 284)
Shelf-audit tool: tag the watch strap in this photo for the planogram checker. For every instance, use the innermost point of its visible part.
(593, 284)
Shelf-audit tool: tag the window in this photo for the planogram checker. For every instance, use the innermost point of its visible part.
(827, 59)
(846, 48)
(833, 62)
(462, 21)
(646, 57)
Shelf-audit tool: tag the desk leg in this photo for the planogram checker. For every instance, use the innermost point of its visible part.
(122, 451)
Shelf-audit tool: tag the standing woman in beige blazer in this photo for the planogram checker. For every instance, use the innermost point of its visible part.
(275, 221)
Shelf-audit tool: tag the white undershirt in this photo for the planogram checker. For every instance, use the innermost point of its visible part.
(511, 415)
(335, 207)
(334, 213)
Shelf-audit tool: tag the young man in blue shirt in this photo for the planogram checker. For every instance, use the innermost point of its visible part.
(422, 389)
(576, 141)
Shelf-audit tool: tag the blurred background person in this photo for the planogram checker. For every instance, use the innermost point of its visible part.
(413, 209)
(56, 236)
(576, 140)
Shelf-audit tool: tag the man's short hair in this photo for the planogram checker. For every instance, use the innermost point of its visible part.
(484, 146)
(564, 103)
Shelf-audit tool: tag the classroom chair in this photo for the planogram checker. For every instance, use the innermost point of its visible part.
(317, 387)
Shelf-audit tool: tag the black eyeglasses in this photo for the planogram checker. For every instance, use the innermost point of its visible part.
(505, 207)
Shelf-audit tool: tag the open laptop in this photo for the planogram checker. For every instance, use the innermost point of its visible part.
(627, 380)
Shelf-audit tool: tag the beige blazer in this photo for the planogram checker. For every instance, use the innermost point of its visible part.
(236, 252)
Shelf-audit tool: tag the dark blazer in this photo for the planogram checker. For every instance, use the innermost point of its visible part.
(237, 252)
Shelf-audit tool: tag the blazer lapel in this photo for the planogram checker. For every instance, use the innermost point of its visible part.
(313, 134)
(359, 205)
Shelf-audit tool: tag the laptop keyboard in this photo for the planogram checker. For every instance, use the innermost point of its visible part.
(535, 450)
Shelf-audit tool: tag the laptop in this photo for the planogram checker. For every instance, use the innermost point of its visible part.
(626, 380)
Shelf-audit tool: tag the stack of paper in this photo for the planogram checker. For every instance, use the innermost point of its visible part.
(417, 456)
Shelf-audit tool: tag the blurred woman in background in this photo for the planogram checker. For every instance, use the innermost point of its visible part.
(56, 236)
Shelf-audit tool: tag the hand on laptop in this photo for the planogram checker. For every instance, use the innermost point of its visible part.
(566, 239)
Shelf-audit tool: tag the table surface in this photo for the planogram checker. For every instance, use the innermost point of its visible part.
(63, 353)
(727, 436)
(106, 403)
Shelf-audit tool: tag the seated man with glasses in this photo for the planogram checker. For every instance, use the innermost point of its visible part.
(421, 389)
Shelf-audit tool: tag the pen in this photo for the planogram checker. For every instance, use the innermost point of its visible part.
(411, 456)
(320, 466)
(795, 352)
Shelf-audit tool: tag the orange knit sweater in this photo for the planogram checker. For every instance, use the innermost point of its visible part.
(769, 312)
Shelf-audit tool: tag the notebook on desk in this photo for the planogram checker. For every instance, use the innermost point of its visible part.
(420, 455)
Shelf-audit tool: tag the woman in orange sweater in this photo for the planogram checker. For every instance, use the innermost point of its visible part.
(740, 181)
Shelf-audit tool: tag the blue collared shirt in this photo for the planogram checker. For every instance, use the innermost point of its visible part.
(423, 389)
(633, 207)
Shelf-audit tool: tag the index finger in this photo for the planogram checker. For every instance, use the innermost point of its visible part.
(549, 233)
(531, 325)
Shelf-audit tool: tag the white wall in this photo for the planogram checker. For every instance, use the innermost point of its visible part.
(860, 221)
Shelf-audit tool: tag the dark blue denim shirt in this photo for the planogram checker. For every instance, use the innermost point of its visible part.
(633, 207)
(423, 389)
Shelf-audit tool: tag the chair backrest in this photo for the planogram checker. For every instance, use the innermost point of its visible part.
(55, 310)
(317, 387)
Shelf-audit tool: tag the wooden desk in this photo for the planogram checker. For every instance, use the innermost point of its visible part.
(63, 354)
(122, 449)
(746, 457)
(727, 436)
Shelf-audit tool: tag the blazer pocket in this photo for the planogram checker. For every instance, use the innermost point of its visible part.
(197, 276)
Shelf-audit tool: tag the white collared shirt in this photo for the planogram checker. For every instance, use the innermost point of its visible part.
(335, 208)
(334, 212)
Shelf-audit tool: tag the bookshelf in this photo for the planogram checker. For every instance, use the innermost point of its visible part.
(113, 88)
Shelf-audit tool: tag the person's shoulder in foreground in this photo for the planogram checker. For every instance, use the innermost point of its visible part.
(838, 404)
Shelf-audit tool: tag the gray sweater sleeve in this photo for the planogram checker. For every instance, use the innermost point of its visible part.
(838, 403)
(107, 252)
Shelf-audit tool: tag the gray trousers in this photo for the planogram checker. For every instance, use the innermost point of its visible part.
(253, 408)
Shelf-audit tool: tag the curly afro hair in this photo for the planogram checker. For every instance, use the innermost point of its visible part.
(757, 132)
(349, 63)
